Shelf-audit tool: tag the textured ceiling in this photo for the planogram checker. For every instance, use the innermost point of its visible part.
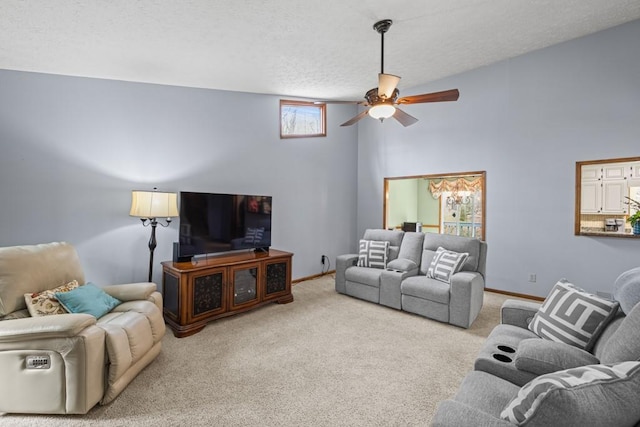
(313, 49)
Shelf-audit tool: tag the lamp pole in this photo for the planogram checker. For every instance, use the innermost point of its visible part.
(152, 244)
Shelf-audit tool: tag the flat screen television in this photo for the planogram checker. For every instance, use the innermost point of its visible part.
(211, 223)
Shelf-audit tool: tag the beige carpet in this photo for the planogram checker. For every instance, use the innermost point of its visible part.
(324, 360)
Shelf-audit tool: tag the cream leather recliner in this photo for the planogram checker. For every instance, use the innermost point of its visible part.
(67, 363)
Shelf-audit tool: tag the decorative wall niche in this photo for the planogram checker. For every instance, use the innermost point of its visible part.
(437, 203)
(603, 192)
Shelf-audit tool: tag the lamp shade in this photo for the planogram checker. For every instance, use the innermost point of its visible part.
(153, 204)
(382, 111)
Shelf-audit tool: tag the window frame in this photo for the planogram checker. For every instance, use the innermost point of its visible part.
(322, 107)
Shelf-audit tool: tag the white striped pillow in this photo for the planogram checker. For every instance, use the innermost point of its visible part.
(445, 264)
(373, 254)
(594, 380)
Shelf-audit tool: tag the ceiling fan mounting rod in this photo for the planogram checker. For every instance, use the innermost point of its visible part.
(382, 27)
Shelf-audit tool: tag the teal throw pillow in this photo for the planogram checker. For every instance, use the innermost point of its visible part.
(88, 299)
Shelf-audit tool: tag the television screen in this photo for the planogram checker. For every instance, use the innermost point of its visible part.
(212, 223)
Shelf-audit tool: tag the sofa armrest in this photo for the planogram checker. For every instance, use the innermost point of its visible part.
(403, 265)
(33, 328)
(342, 263)
(540, 356)
(131, 291)
(518, 313)
(451, 413)
(467, 294)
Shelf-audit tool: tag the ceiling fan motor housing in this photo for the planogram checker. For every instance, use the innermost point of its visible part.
(373, 98)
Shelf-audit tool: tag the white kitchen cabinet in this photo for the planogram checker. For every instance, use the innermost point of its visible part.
(614, 171)
(613, 192)
(591, 197)
(591, 172)
(603, 187)
(633, 171)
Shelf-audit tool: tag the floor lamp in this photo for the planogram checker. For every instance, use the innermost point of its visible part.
(149, 206)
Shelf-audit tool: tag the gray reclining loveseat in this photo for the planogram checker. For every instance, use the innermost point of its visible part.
(523, 379)
(392, 269)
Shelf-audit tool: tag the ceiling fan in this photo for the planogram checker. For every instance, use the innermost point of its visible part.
(384, 98)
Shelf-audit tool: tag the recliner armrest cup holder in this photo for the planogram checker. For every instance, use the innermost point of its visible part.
(501, 357)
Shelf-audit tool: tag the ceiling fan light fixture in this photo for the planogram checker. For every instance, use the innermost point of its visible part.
(382, 111)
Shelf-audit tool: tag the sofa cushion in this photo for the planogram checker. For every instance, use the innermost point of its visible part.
(411, 247)
(626, 289)
(624, 343)
(401, 265)
(540, 356)
(364, 275)
(373, 254)
(473, 392)
(149, 310)
(128, 338)
(573, 316)
(35, 268)
(445, 264)
(426, 288)
(88, 299)
(394, 237)
(432, 241)
(593, 395)
(45, 303)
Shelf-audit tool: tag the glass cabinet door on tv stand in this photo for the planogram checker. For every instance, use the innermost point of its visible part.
(245, 285)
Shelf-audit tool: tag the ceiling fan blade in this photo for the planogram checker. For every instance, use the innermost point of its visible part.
(404, 118)
(387, 84)
(355, 119)
(447, 95)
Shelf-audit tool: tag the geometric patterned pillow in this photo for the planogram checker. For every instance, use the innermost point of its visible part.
(45, 303)
(445, 264)
(572, 389)
(373, 254)
(572, 316)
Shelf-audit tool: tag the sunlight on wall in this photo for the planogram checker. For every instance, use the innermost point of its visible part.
(121, 255)
(122, 157)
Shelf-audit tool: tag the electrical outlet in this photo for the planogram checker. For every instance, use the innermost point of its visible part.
(532, 278)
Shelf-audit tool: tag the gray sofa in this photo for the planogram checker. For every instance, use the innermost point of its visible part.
(403, 283)
(514, 361)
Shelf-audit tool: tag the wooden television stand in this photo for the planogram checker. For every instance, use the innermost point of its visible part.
(197, 292)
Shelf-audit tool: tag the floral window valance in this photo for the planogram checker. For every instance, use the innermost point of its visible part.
(437, 187)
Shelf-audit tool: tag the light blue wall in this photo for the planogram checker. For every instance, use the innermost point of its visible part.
(428, 207)
(526, 121)
(72, 149)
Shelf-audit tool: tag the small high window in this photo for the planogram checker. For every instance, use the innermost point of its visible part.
(300, 119)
